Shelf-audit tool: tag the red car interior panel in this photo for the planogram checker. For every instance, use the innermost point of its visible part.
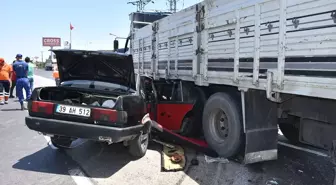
(170, 115)
(150, 111)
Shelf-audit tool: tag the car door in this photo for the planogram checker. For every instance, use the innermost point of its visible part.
(171, 108)
(148, 93)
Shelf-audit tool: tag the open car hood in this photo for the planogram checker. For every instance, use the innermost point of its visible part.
(102, 66)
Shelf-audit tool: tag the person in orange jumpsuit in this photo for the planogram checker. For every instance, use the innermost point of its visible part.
(5, 81)
(56, 76)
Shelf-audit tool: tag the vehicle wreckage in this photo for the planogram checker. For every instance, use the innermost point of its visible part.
(96, 100)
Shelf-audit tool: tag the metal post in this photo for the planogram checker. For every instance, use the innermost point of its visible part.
(51, 53)
(282, 43)
(41, 56)
(70, 40)
(237, 48)
(256, 60)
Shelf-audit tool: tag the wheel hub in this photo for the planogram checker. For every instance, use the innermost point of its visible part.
(219, 125)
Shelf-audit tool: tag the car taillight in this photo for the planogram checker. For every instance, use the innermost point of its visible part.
(108, 115)
(42, 107)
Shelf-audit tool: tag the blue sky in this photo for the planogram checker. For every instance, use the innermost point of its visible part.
(25, 22)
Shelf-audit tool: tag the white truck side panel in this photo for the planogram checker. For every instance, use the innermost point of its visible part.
(238, 42)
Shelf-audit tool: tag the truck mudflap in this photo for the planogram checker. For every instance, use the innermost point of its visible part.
(260, 127)
(197, 144)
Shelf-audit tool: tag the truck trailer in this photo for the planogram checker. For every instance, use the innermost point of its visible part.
(250, 67)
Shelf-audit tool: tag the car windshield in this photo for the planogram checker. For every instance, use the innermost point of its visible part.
(102, 86)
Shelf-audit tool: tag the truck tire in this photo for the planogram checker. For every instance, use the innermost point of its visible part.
(222, 124)
(61, 142)
(138, 146)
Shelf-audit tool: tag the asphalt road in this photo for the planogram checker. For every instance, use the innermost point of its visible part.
(27, 159)
(44, 73)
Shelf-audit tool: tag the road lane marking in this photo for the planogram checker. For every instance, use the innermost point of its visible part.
(79, 177)
(303, 149)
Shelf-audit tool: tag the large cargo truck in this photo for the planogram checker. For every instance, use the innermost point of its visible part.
(251, 66)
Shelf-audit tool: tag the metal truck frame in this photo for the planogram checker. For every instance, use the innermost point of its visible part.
(274, 60)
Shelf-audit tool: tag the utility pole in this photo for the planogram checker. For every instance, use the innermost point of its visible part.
(41, 56)
(140, 4)
(172, 5)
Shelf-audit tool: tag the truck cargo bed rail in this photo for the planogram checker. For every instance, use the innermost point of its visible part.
(280, 46)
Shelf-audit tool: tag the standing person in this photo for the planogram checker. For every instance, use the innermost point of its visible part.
(56, 76)
(13, 83)
(5, 81)
(30, 75)
(21, 69)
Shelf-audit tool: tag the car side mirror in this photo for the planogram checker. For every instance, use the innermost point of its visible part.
(115, 45)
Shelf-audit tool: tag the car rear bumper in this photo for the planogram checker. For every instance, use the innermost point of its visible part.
(83, 130)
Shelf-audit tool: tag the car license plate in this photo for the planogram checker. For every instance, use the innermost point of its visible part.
(77, 111)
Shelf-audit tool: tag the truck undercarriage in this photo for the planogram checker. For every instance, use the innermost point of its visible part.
(214, 118)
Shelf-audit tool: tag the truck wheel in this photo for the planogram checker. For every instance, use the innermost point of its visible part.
(222, 124)
(61, 142)
(138, 146)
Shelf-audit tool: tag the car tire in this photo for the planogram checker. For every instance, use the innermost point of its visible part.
(138, 146)
(61, 142)
(222, 124)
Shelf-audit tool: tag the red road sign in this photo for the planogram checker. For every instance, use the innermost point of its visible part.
(51, 41)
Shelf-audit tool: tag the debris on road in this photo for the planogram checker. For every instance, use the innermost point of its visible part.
(209, 159)
(272, 182)
(173, 159)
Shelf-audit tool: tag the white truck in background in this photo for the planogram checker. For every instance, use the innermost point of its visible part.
(50, 63)
(255, 65)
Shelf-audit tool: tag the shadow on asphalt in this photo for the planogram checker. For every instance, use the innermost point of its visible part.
(292, 167)
(46, 160)
(100, 160)
(112, 163)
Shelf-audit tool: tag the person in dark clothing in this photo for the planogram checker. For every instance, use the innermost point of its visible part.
(13, 84)
(21, 68)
